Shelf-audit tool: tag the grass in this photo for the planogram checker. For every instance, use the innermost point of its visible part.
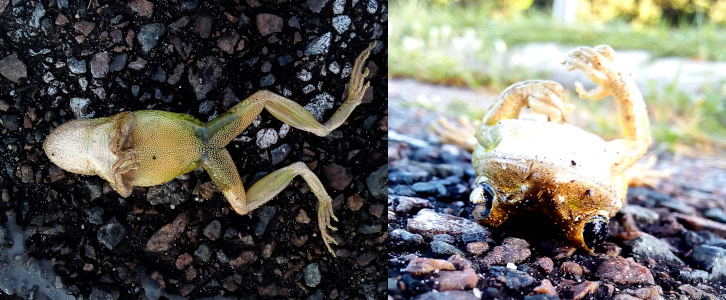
(462, 45)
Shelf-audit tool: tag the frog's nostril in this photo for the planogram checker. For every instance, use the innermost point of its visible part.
(595, 231)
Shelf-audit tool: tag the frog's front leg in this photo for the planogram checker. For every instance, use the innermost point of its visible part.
(221, 168)
(124, 169)
(542, 96)
(598, 64)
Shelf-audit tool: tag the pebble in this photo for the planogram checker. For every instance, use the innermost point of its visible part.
(142, 8)
(79, 107)
(311, 273)
(178, 24)
(203, 26)
(228, 41)
(266, 137)
(341, 23)
(641, 214)
(267, 80)
(168, 193)
(653, 292)
(695, 276)
(696, 293)
(338, 176)
(38, 13)
(444, 248)
(10, 122)
(447, 295)
(84, 27)
(715, 214)
(423, 265)
(647, 246)
(624, 271)
(246, 257)
(204, 77)
(162, 239)
(111, 233)
(279, 154)
(338, 6)
(377, 182)
(545, 287)
(95, 215)
(268, 24)
(545, 264)
(457, 280)
(203, 253)
(571, 268)
(400, 238)
(319, 105)
(76, 66)
(99, 65)
(265, 213)
(514, 279)
(213, 230)
(183, 261)
(477, 248)
(149, 36)
(354, 202)
(430, 223)
(119, 62)
(319, 45)
(712, 259)
(316, 5)
(583, 289)
(513, 250)
(12, 68)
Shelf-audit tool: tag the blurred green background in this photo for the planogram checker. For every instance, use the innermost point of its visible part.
(461, 42)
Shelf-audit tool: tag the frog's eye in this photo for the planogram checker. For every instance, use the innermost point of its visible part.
(595, 231)
(481, 198)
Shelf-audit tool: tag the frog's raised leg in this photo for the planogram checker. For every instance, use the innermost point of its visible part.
(597, 64)
(542, 96)
(124, 169)
(461, 135)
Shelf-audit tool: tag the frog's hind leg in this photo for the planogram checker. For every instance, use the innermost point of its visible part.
(230, 124)
(542, 96)
(461, 134)
(221, 168)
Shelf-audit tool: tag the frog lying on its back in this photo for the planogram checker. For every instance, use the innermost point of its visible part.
(573, 176)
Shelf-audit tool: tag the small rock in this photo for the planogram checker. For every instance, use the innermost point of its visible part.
(513, 250)
(694, 277)
(420, 266)
(319, 105)
(119, 62)
(403, 239)
(183, 261)
(267, 80)
(76, 66)
(316, 5)
(279, 154)
(545, 264)
(447, 295)
(38, 13)
(167, 193)
(545, 287)
(142, 8)
(268, 24)
(203, 253)
(149, 36)
(457, 280)
(319, 45)
(581, 290)
(477, 248)
(311, 273)
(624, 271)
(377, 182)
(213, 230)
(228, 41)
(715, 214)
(406, 204)
(338, 6)
(341, 23)
(183, 21)
(79, 107)
(354, 202)
(338, 176)
(696, 293)
(265, 213)
(266, 137)
(111, 233)
(244, 258)
(647, 246)
(514, 279)
(203, 26)
(444, 248)
(99, 65)
(84, 27)
(206, 106)
(571, 268)
(649, 293)
(430, 223)
(163, 238)
(204, 77)
(13, 68)
(713, 259)
(641, 214)
(10, 122)
(95, 215)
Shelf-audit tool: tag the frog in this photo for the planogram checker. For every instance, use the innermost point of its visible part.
(151, 147)
(576, 178)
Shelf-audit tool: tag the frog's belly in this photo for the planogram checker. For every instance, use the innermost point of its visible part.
(168, 147)
(563, 148)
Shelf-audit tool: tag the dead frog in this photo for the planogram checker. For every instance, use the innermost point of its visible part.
(151, 147)
(573, 176)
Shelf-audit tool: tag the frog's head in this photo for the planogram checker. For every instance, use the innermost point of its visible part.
(67, 145)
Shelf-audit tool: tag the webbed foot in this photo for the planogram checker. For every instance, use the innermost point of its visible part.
(597, 64)
(124, 171)
(461, 134)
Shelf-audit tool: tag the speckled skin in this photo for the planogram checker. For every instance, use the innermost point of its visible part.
(569, 174)
(151, 147)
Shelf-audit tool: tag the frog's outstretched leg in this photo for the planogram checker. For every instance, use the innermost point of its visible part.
(221, 168)
(542, 96)
(230, 124)
(597, 64)
(461, 135)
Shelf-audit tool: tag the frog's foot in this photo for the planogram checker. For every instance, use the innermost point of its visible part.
(124, 124)
(542, 96)
(461, 134)
(124, 171)
(357, 85)
(642, 175)
(596, 63)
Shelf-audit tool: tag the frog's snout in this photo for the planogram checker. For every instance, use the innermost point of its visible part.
(480, 200)
(595, 231)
